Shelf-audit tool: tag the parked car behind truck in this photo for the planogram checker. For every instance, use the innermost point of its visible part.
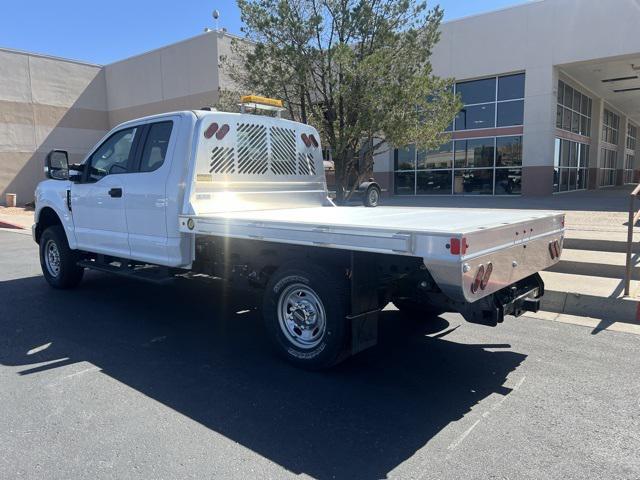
(244, 198)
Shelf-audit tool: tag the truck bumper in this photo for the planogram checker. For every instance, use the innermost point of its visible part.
(523, 296)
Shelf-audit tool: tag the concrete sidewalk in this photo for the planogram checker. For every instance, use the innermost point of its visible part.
(16, 218)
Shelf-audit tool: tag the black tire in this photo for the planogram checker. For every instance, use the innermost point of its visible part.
(417, 310)
(65, 273)
(331, 289)
(372, 196)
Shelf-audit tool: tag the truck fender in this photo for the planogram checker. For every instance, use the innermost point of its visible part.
(51, 208)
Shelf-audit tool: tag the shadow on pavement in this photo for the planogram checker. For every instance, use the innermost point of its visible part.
(186, 346)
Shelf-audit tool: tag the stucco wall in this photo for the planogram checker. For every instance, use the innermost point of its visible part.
(177, 77)
(45, 103)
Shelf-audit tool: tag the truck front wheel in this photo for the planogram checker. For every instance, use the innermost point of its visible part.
(304, 310)
(57, 260)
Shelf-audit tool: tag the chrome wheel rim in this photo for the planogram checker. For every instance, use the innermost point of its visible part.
(301, 316)
(52, 258)
(373, 196)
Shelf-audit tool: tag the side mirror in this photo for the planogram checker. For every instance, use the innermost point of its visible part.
(57, 165)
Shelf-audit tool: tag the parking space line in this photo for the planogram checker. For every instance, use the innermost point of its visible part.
(486, 414)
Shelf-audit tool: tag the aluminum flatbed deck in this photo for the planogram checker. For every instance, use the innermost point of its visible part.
(507, 238)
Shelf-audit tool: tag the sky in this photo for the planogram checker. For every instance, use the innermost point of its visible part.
(102, 32)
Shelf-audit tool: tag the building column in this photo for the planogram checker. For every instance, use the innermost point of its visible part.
(622, 147)
(594, 150)
(540, 101)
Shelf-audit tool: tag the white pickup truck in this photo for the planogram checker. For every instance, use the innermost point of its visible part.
(243, 198)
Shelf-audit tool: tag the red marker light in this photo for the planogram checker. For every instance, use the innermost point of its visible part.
(458, 246)
(222, 132)
(313, 140)
(487, 274)
(306, 140)
(211, 130)
(478, 279)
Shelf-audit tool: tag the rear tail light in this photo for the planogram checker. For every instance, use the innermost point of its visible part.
(554, 249)
(306, 140)
(224, 129)
(486, 276)
(458, 246)
(211, 130)
(477, 281)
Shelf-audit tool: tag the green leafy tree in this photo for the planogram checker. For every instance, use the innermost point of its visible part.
(358, 70)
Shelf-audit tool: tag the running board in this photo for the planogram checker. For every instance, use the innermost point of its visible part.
(148, 273)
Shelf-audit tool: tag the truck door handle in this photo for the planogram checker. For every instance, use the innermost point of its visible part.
(115, 192)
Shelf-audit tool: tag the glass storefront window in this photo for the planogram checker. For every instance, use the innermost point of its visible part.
(404, 183)
(511, 87)
(508, 181)
(473, 182)
(474, 153)
(405, 158)
(508, 151)
(440, 158)
(476, 116)
(477, 91)
(571, 160)
(433, 182)
(510, 113)
(573, 110)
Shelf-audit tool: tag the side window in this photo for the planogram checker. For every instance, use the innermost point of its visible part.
(113, 155)
(155, 147)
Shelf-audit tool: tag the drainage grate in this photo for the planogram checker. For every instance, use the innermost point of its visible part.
(222, 160)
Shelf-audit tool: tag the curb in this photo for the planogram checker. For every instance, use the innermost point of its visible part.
(4, 224)
(617, 309)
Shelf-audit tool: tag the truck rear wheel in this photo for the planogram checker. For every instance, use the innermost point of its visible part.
(57, 260)
(304, 310)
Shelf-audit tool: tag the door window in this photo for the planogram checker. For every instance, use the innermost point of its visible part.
(113, 155)
(155, 147)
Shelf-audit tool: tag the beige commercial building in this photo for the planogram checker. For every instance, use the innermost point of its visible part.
(48, 102)
(551, 91)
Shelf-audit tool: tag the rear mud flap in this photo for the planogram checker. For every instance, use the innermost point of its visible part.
(523, 296)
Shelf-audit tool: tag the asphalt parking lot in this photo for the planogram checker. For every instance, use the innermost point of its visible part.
(122, 379)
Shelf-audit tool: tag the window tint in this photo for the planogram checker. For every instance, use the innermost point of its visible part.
(478, 116)
(440, 158)
(113, 155)
(477, 91)
(405, 158)
(404, 183)
(473, 182)
(508, 151)
(510, 113)
(155, 147)
(474, 153)
(511, 87)
(434, 182)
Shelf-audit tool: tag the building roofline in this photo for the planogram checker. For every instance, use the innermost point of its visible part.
(520, 4)
(50, 57)
(157, 49)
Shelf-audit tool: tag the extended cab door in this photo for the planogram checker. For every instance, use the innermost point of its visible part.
(146, 199)
(97, 202)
